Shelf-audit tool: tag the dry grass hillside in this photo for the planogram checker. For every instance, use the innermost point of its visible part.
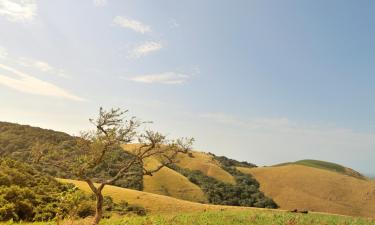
(206, 164)
(153, 203)
(314, 189)
(168, 182)
(201, 161)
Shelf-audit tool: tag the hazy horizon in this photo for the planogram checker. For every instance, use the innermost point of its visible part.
(261, 81)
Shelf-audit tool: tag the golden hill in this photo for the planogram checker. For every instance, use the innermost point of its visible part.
(314, 189)
(171, 183)
(201, 161)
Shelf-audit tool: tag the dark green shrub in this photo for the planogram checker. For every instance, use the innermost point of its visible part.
(86, 208)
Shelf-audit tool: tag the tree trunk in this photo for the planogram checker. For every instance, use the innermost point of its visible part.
(99, 208)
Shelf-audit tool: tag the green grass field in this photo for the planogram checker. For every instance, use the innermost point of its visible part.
(228, 218)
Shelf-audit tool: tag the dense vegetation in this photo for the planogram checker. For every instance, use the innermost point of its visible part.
(244, 193)
(30, 195)
(226, 162)
(17, 142)
(27, 194)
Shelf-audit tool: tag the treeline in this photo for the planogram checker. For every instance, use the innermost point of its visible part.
(17, 141)
(244, 193)
(227, 162)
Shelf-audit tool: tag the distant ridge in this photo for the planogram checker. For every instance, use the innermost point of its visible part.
(326, 166)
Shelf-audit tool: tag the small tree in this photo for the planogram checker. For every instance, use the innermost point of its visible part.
(97, 148)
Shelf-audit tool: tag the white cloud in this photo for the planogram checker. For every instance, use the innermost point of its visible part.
(173, 23)
(161, 78)
(100, 3)
(3, 53)
(42, 66)
(39, 65)
(32, 85)
(135, 25)
(145, 49)
(18, 10)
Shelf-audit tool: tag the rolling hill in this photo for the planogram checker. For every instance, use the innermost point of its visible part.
(197, 176)
(307, 184)
(171, 183)
(296, 186)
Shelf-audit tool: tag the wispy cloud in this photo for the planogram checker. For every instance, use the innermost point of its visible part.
(161, 78)
(173, 23)
(42, 66)
(145, 48)
(26, 83)
(18, 10)
(100, 3)
(39, 65)
(134, 25)
(3, 53)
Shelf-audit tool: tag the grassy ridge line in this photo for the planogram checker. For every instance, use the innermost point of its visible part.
(253, 217)
(326, 166)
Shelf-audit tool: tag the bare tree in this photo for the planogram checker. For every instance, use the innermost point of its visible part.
(112, 130)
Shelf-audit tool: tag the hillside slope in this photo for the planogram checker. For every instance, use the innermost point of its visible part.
(171, 183)
(305, 187)
(168, 182)
(205, 163)
(154, 203)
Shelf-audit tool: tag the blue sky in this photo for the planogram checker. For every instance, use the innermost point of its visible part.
(262, 81)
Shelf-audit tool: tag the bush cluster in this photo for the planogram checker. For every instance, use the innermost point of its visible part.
(30, 195)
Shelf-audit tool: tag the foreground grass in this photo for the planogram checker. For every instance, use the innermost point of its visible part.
(228, 218)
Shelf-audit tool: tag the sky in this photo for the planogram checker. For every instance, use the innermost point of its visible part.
(262, 81)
